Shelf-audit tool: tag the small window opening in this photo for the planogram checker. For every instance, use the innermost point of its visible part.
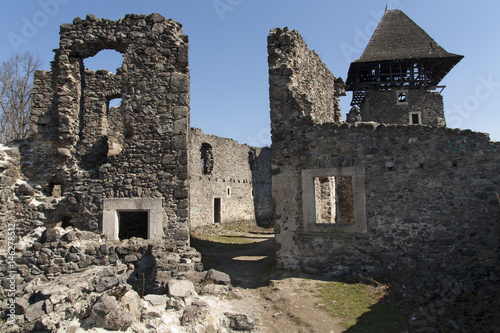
(334, 199)
(207, 159)
(217, 210)
(114, 102)
(415, 118)
(228, 191)
(402, 97)
(133, 224)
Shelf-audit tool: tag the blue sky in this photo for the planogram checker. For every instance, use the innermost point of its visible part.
(228, 49)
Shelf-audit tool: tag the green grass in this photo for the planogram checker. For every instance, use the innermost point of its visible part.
(362, 307)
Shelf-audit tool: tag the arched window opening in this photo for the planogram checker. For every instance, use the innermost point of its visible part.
(109, 60)
(207, 159)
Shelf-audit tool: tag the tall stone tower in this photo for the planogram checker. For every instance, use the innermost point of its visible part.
(396, 79)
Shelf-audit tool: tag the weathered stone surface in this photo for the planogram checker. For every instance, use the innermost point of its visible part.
(180, 288)
(193, 314)
(239, 322)
(218, 277)
(118, 319)
(156, 300)
(105, 304)
(21, 305)
(35, 311)
(425, 194)
(215, 289)
(50, 235)
(239, 175)
(132, 303)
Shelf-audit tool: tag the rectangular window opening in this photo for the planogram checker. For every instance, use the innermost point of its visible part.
(133, 224)
(402, 97)
(334, 199)
(217, 210)
(415, 118)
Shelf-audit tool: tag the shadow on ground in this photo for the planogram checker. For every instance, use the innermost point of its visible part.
(249, 260)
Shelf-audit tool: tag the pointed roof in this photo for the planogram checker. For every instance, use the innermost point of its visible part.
(397, 37)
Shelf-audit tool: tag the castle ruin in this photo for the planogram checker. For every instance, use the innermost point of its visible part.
(391, 193)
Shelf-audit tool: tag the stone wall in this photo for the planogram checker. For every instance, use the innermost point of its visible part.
(236, 186)
(425, 204)
(431, 202)
(301, 86)
(90, 152)
(383, 106)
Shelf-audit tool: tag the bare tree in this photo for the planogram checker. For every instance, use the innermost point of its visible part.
(16, 84)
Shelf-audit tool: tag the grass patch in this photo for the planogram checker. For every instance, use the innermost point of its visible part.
(362, 307)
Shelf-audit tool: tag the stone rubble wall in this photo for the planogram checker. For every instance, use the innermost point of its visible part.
(22, 207)
(240, 177)
(138, 150)
(72, 280)
(301, 87)
(381, 106)
(431, 205)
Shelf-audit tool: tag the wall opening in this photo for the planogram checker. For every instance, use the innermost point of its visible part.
(114, 102)
(132, 217)
(334, 199)
(217, 210)
(106, 59)
(402, 97)
(133, 224)
(207, 159)
(415, 118)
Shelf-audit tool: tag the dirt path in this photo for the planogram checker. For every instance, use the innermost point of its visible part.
(284, 304)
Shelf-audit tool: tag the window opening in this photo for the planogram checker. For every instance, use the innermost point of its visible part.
(415, 118)
(114, 102)
(106, 59)
(133, 224)
(402, 97)
(217, 210)
(334, 199)
(207, 159)
(228, 191)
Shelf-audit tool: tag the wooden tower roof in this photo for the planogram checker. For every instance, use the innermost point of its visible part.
(399, 53)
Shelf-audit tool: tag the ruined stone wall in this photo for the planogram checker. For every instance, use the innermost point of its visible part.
(383, 106)
(260, 164)
(235, 189)
(431, 203)
(93, 152)
(425, 206)
(301, 86)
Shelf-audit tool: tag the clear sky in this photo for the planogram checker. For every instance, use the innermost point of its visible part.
(228, 49)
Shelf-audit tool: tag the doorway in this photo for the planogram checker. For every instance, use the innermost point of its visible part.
(217, 210)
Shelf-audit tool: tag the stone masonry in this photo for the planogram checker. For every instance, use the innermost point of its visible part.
(425, 205)
(90, 152)
(386, 107)
(229, 183)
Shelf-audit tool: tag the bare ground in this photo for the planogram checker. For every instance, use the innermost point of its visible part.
(277, 302)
